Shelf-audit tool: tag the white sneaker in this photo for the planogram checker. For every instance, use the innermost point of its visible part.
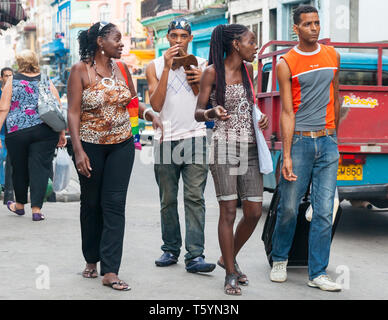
(279, 271)
(324, 283)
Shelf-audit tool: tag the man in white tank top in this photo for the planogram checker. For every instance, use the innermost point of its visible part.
(180, 150)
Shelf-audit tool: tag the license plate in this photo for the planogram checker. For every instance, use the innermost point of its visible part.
(148, 128)
(350, 173)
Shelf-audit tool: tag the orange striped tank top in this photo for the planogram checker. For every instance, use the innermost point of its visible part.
(312, 87)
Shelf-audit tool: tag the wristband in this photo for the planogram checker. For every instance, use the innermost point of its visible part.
(145, 112)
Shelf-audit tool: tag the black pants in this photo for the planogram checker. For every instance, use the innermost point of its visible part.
(103, 198)
(31, 152)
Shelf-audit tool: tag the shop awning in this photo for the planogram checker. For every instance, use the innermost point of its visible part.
(11, 13)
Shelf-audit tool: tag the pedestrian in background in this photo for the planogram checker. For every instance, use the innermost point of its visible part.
(226, 82)
(6, 73)
(103, 147)
(30, 142)
(172, 96)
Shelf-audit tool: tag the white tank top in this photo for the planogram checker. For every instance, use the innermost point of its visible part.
(179, 106)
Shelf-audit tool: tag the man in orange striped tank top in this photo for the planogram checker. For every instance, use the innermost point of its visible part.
(308, 81)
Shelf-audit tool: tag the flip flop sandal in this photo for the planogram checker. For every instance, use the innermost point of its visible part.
(125, 286)
(90, 273)
(239, 273)
(19, 212)
(231, 287)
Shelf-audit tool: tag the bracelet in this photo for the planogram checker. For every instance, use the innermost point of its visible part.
(145, 112)
(206, 117)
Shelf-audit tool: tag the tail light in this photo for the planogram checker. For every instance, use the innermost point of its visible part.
(352, 159)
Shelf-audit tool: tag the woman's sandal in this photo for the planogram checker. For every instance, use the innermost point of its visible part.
(90, 273)
(124, 286)
(19, 212)
(242, 278)
(231, 287)
(37, 217)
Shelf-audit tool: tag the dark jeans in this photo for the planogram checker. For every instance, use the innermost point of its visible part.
(103, 198)
(31, 152)
(187, 158)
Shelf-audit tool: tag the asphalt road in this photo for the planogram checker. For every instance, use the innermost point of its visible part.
(44, 261)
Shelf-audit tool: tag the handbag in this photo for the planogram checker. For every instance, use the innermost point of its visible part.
(265, 158)
(48, 107)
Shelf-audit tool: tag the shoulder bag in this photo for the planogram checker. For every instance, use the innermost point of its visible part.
(265, 159)
(48, 107)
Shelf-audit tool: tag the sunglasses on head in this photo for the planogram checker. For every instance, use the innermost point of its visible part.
(102, 25)
(179, 24)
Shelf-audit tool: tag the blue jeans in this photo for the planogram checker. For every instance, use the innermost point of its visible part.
(314, 160)
(173, 159)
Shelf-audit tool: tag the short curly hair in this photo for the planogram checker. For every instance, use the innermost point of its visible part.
(27, 61)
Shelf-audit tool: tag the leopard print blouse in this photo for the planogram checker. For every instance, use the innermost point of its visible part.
(104, 117)
(240, 126)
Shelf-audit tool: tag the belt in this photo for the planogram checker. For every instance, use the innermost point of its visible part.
(316, 134)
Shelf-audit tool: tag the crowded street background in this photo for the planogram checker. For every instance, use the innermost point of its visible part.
(127, 81)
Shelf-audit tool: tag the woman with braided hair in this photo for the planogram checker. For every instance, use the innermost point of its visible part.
(226, 83)
(100, 128)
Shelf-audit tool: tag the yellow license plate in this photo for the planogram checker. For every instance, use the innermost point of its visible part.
(148, 128)
(350, 173)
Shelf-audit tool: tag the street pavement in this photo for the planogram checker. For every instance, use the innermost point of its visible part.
(43, 260)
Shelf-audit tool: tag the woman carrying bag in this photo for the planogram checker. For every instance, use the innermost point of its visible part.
(30, 142)
(234, 164)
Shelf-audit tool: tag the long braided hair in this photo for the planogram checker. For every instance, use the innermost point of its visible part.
(88, 40)
(220, 47)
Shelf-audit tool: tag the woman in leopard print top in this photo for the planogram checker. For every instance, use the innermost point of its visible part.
(103, 147)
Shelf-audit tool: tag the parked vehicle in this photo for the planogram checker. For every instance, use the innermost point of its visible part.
(363, 134)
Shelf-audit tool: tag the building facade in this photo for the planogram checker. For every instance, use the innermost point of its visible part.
(80, 19)
(204, 17)
(259, 15)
